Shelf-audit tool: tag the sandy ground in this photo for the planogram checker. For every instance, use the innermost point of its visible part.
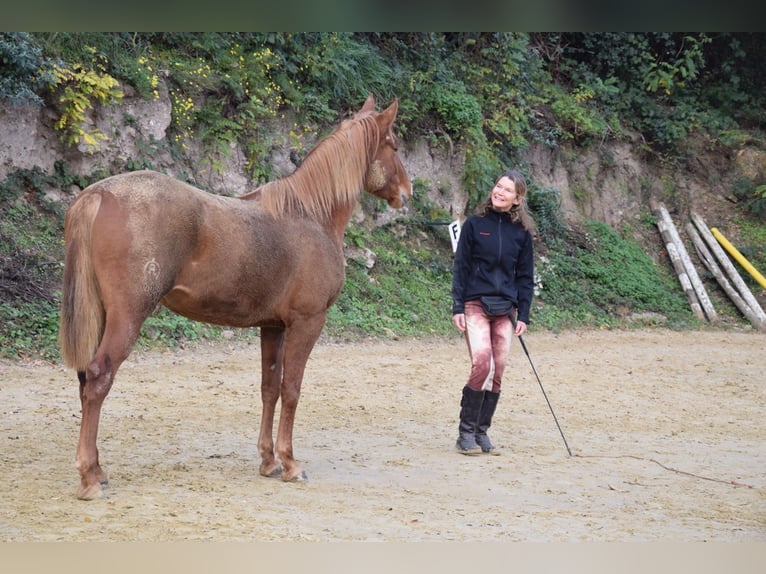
(667, 431)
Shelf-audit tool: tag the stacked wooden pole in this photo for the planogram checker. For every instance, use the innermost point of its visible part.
(715, 259)
(734, 286)
(687, 273)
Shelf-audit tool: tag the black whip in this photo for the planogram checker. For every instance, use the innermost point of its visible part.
(539, 382)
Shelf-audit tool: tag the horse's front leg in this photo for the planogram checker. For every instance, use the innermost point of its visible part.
(272, 357)
(300, 340)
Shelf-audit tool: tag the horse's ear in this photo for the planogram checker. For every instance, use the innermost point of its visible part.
(369, 104)
(389, 114)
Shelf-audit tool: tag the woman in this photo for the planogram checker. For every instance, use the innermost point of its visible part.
(493, 274)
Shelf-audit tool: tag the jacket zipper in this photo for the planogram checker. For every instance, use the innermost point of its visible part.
(499, 251)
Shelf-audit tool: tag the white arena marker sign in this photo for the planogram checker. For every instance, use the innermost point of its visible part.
(454, 233)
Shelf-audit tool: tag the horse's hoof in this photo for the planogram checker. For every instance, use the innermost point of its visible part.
(91, 492)
(300, 477)
(275, 472)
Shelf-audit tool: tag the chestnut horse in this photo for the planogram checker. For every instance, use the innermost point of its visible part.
(272, 258)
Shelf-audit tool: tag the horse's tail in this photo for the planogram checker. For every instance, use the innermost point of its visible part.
(82, 311)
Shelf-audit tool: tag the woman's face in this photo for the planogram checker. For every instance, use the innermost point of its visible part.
(504, 195)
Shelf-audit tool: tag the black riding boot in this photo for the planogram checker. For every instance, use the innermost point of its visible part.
(469, 418)
(485, 421)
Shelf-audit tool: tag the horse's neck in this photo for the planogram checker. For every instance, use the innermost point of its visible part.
(336, 225)
(340, 220)
(318, 190)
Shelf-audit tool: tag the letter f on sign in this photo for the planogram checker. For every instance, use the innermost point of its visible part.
(454, 233)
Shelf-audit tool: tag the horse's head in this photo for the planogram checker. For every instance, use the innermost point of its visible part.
(386, 177)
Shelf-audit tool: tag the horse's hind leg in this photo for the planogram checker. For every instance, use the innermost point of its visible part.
(92, 394)
(95, 383)
(82, 376)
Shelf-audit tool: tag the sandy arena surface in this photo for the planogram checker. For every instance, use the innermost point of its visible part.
(667, 431)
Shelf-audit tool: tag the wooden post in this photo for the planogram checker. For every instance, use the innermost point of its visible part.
(727, 265)
(709, 261)
(687, 274)
(741, 259)
(664, 224)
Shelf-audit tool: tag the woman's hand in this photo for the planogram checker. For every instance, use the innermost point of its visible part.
(459, 320)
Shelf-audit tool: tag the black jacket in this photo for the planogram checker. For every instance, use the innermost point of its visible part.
(493, 257)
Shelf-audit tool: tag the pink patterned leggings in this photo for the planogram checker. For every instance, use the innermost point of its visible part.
(489, 340)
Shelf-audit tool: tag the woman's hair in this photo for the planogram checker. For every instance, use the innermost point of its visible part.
(519, 213)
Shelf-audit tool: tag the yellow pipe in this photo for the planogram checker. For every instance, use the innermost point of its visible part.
(739, 257)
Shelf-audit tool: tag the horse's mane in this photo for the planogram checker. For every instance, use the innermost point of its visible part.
(332, 173)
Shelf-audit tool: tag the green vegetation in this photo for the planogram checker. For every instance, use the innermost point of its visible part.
(491, 93)
(593, 274)
(407, 291)
(495, 92)
(23, 73)
(753, 247)
(752, 193)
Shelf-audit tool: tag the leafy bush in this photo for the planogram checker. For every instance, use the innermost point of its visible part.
(579, 115)
(29, 329)
(505, 74)
(457, 109)
(482, 166)
(22, 61)
(664, 80)
(545, 207)
(343, 71)
(75, 91)
(125, 56)
(753, 195)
